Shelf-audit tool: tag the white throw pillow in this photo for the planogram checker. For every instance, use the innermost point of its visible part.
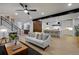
(45, 36)
(31, 34)
(36, 35)
(40, 36)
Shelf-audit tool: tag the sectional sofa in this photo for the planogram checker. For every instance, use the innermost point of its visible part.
(40, 39)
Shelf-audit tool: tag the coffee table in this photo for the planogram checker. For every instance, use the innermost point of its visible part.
(22, 50)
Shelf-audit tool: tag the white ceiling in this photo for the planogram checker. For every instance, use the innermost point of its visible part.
(47, 8)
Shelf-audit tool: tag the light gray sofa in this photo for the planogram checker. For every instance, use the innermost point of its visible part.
(42, 41)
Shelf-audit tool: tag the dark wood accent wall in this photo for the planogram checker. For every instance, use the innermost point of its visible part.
(37, 26)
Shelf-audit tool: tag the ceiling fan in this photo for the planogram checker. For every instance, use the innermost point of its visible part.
(26, 10)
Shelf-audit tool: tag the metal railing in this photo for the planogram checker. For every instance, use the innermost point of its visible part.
(4, 21)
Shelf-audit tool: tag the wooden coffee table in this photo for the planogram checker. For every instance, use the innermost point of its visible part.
(22, 50)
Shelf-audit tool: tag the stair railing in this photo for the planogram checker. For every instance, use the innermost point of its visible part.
(13, 26)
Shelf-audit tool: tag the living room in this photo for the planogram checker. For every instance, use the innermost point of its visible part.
(39, 28)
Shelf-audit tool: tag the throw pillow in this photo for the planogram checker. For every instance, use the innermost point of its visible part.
(40, 36)
(45, 36)
(31, 34)
(37, 37)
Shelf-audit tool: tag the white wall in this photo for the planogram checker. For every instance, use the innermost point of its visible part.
(76, 21)
(51, 21)
(54, 20)
(62, 19)
(64, 24)
(31, 26)
(26, 23)
(65, 27)
(5, 32)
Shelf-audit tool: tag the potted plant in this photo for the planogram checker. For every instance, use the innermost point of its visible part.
(13, 37)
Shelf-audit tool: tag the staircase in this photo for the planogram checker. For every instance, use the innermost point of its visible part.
(9, 25)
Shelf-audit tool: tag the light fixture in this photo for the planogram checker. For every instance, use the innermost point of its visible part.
(25, 11)
(69, 4)
(16, 13)
(47, 23)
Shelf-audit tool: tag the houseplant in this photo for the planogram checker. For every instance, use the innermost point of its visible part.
(13, 37)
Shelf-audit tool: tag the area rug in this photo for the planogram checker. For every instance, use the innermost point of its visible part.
(30, 51)
(2, 50)
(33, 52)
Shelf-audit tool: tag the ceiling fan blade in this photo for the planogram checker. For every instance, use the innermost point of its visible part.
(21, 5)
(32, 10)
(19, 10)
(28, 13)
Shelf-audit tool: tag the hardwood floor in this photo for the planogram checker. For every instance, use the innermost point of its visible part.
(67, 45)
(64, 45)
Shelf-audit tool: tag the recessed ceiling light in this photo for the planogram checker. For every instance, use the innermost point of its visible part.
(25, 11)
(42, 13)
(16, 13)
(69, 4)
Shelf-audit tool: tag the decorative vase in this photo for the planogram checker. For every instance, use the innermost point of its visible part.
(14, 42)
